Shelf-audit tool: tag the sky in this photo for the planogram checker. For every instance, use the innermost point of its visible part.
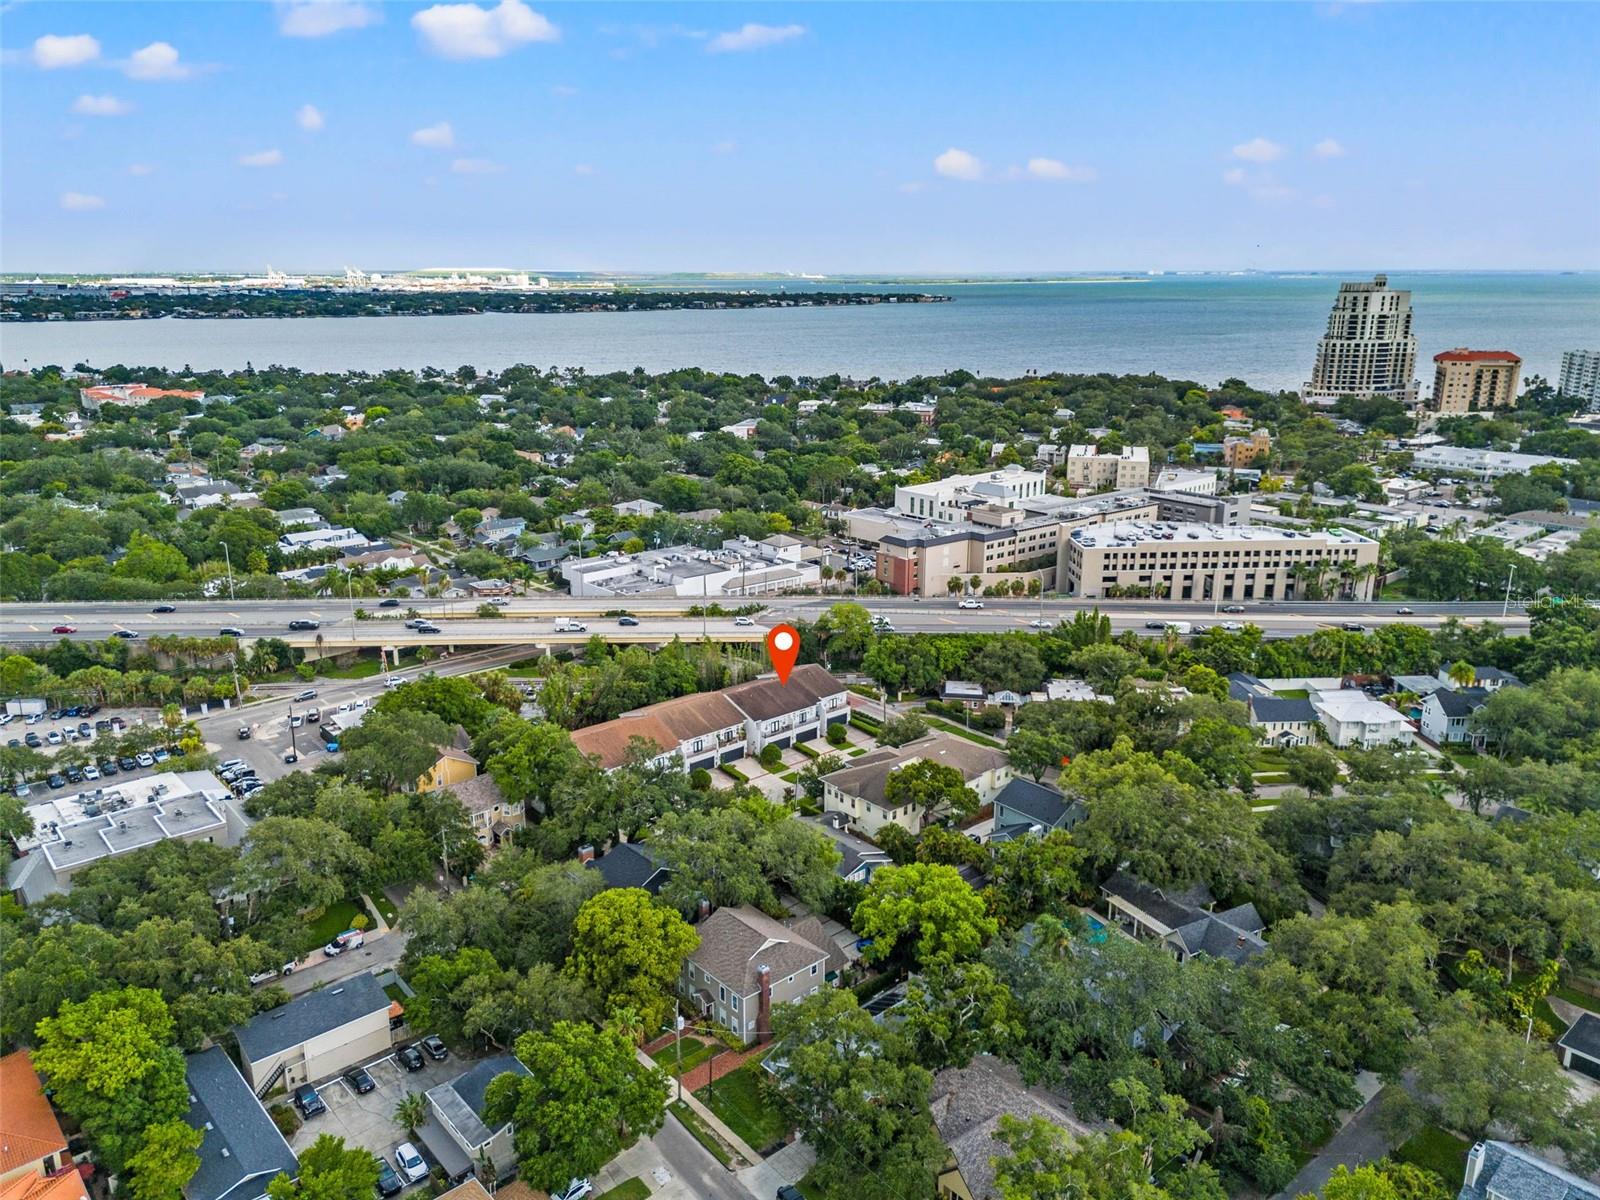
(835, 138)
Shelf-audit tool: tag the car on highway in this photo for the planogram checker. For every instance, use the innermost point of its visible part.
(308, 1101)
(433, 1046)
(1353, 627)
(164, 608)
(427, 627)
(358, 1078)
(627, 620)
(126, 635)
(1155, 625)
(65, 629)
(303, 623)
(1039, 623)
(410, 1162)
(1404, 612)
(308, 694)
(1231, 627)
(410, 1058)
(746, 621)
(391, 602)
(389, 1183)
(969, 603)
(230, 631)
(1233, 608)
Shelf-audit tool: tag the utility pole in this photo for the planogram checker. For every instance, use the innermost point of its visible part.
(228, 558)
(444, 857)
(1506, 607)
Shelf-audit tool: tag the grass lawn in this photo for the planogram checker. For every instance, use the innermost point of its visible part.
(365, 667)
(395, 992)
(695, 1052)
(1271, 778)
(738, 1099)
(385, 907)
(857, 752)
(335, 920)
(1437, 1150)
(1573, 996)
(1271, 760)
(959, 731)
(628, 1189)
(702, 1133)
(1294, 694)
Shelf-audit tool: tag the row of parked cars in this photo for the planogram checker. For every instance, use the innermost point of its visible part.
(104, 769)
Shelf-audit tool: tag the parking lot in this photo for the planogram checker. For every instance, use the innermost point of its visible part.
(368, 1121)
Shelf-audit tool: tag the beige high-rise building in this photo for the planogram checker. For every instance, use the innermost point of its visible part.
(1368, 349)
(1088, 468)
(1473, 380)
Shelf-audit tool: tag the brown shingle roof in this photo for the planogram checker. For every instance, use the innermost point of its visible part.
(735, 942)
(764, 699)
(478, 794)
(28, 1127)
(690, 717)
(866, 777)
(609, 741)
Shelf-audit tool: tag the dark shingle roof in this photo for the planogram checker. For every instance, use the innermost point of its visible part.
(241, 1149)
(631, 865)
(1282, 709)
(1462, 703)
(1038, 803)
(1171, 907)
(308, 1016)
(1517, 1174)
(765, 699)
(1583, 1037)
(460, 1101)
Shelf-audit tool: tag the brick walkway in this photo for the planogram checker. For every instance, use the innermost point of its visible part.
(726, 1061)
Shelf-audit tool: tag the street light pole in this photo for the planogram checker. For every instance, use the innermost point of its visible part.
(228, 558)
(1506, 607)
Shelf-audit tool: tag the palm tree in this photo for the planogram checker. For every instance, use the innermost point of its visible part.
(411, 1112)
(1462, 674)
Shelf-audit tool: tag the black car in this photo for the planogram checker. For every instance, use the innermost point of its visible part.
(128, 763)
(126, 634)
(1353, 627)
(302, 623)
(433, 1046)
(231, 631)
(56, 781)
(789, 1192)
(307, 1101)
(389, 1183)
(391, 602)
(33, 741)
(88, 710)
(58, 714)
(164, 608)
(74, 774)
(627, 620)
(410, 1058)
(108, 766)
(358, 1078)
(1155, 624)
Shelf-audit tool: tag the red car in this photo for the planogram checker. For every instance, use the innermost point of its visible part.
(65, 629)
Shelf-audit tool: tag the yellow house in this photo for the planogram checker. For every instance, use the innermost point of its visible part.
(454, 765)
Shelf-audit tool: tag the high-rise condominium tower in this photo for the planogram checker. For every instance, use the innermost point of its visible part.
(1369, 349)
(1580, 376)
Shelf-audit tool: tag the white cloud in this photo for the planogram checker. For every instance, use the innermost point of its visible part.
(1258, 150)
(1051, 168)
(1329, 148)
(476, 166)
(471, 31)
(81, 202)
(53, 51)
(141, 169)
(751, 36)
(262, 158)
(320, 18)
(435, 137)
(1234, 176)
(583, 169)
(958, 164)
(309, 117)
(157, 61)
(101, 106)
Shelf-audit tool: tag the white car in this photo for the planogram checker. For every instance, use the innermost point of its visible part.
(970, 604)
(91, 772)
(576, 1190)
(53, 737)
(145, 759)
(1231, 627)
(743, 621)
(410, 1162)
(1039, 623)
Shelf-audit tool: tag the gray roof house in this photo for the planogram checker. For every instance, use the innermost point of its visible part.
(1447, 714)
(1579, 1046)
(1280, 720)
(316, 1035)
(241, 1150)
(967, 1104)
(747, 963)
(1182, 919)
(1501, 1171)
(626, 865)
(456, 1132)
(1023, 806)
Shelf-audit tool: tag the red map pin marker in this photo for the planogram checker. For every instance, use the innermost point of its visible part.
(783, 647)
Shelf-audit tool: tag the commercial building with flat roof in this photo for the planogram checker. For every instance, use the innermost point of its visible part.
(1183, 561)
(1474, 380)
(949, 499)
(1481, 464)
(739, 567)
(1368, 348)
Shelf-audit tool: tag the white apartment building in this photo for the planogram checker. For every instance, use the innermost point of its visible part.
(334, 538)
(1190, 561)
(952, 498)
(1481, 464)
(1368, 349)
(1580, 376)
(1088, 468)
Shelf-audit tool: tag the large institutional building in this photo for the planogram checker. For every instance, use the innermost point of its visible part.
(954, 498)
(1183, 561)
(1580, 376)
(1368, 349)
(1467, 381)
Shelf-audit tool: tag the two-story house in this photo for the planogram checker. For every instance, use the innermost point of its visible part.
(1023, 807)
(747, 964)
(859, 790)
(1447, 714)
(782, 714)
(458, 1134)
(1182, 918)
(31, 1141)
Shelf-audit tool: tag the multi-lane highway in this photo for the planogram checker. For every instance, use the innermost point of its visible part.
(532, 620)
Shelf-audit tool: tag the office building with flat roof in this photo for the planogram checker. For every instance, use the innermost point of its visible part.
(1368, 349)
(1480, 464)
(1182, 561)
(951, 498)
(1468, 381)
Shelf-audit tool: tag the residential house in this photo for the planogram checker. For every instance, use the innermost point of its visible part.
(744, 430)
(857, 791)
(1579, 1047)
(455, 764)
(492, 816)
(458, 1134)
(627, 865)
(328, 433)
(1447, 715)
(1280, 721)
(1501, 1171)
(68, 1185)
(962, 691)
(301, 518)
(130, 395)
(1075, 690)
(1490, 679)
(490, 587)
(331, 538)
(783, 714)
(208, 493)
(1352, 718)
(493, 533)
(1023, 807)
(1182, 919)
(315, 1035)
(747, 963)
(637, 508)
(859, 859)
(702, 730)
(31, 1142)
(241, 1150)
(967, 1104)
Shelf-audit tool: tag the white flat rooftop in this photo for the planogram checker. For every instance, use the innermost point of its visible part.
(1138, 533)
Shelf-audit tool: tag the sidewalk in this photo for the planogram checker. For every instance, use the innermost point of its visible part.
(683, 1092)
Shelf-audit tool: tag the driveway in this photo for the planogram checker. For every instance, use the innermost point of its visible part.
(368, 1121)
(1360, 1141)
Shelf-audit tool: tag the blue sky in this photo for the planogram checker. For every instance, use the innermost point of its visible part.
(827, 138)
